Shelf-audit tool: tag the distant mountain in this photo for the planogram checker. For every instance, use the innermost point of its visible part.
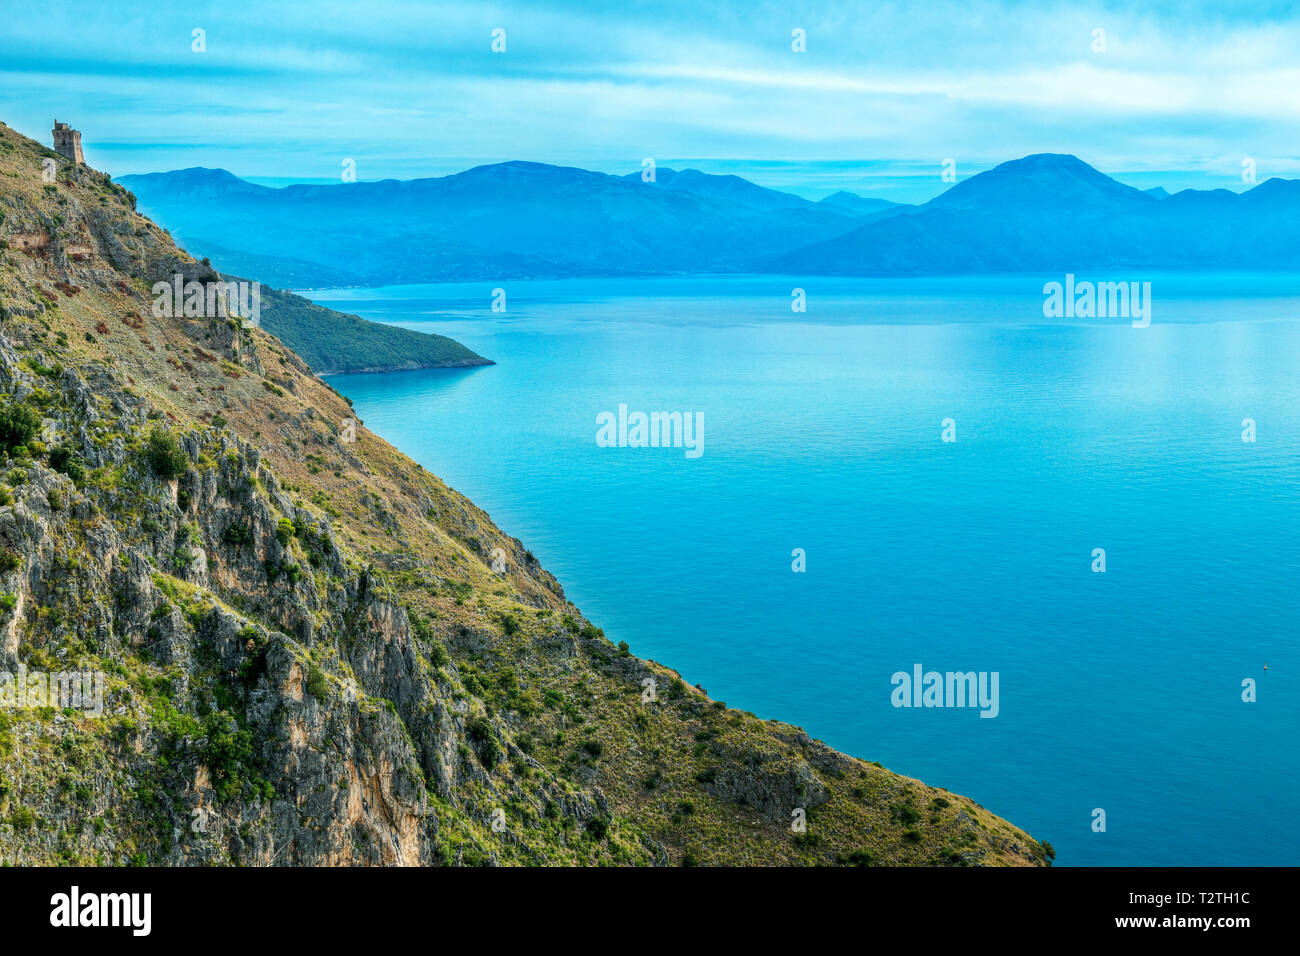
(198, 184)
(517, 220)
(280, 271)
(497, 222)
(854, 203)
(1051, 212)
(1158, 191)
(1045, 181)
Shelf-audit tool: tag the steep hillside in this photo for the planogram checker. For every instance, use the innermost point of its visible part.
(330, 341)
(310, 658)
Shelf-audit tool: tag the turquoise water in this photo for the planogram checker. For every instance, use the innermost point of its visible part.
(822, 431)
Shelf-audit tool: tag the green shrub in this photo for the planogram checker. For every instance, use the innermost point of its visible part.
(284, 530)
(22, 818)
(226, 752)
(66, 461)
(19, 424)
(905, 814)
(317, 685)
(480, 732)
(437, 654)
(164, 455)
(236, 534)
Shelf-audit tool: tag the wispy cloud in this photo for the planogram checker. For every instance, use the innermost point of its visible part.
(290, 89)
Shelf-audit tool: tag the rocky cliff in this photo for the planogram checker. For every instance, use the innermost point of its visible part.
(314, 652)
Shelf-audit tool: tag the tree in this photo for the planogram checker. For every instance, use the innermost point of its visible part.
(165, 456)
(19, 424)
(63, 459)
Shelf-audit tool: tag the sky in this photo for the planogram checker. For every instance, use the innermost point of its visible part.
(1175, 94)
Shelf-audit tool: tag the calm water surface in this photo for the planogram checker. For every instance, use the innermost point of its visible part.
(822, 431)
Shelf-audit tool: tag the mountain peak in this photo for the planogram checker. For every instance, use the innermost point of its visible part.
(853, 203)
(720, 187)
(1048, 161)
(1040, 180)
(193, 181)
(193, 174)
(1274, 188)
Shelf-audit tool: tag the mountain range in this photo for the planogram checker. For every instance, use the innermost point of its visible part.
(1045, 212)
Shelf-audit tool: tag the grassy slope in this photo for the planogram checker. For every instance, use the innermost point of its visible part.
(331, 341)
(550, 683)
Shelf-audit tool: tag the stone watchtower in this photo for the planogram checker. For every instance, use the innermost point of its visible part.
(67, 142)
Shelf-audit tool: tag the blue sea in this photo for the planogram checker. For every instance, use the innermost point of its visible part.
(1118, 690)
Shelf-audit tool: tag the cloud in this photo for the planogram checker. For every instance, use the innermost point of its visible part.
(285, 89)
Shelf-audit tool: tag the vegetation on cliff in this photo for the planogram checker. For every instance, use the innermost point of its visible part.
(331, 341)
(314, 651)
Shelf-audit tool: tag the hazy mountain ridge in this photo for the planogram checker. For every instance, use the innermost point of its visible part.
(310, 656)
(860, 205)
(510, 220)
(1054, 213)
(1046, 212)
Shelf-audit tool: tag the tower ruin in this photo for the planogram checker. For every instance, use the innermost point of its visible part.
(67, 142)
